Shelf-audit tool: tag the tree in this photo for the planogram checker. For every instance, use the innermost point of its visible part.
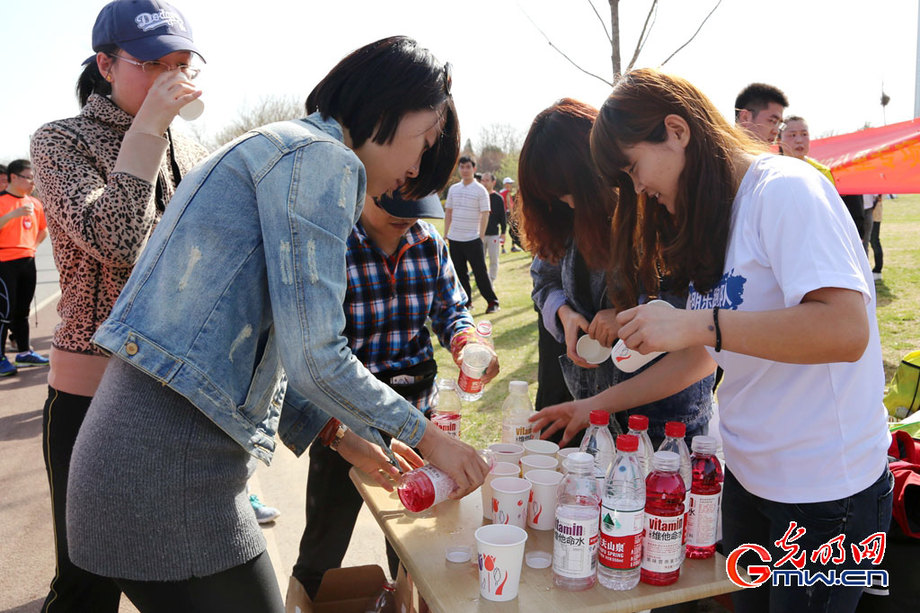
(613, 37)
(267, 110)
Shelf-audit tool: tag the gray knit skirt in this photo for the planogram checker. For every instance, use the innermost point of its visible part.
(157, 492)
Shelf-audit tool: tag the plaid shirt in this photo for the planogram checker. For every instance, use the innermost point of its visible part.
(389, 299)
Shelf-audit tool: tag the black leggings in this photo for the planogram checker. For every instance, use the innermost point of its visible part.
(246, 588)
(17, 287)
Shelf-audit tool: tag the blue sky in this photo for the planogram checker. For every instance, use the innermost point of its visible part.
(830, 57)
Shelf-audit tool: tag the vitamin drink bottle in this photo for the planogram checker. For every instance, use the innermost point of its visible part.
(575, 537)
(705, 499)
(446, 407)
(598, 442)
(424, 487)
(662, 545)
(638, 425)
(475, 359)
(516, 412)
(622, 519)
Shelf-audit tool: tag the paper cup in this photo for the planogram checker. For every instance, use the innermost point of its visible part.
(539, 447)
(499, 469)
(507, 452)
(591, 351)
(630, 361)
(541, 510)
(192, 110)
(501, 552)
(538, 462)
(510, 496)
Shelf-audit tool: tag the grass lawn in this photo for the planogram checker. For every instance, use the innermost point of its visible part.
(515, 330)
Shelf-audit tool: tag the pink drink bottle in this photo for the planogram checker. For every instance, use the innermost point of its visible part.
(705, 499)
(662, 545)
(424, 487)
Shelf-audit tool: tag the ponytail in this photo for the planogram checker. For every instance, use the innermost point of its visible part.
(91, 80)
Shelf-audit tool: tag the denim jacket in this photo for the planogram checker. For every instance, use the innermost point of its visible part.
(236, 302)
(554, 286)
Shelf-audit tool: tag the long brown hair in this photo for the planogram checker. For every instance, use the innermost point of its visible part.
(556, 161)
(688, 246)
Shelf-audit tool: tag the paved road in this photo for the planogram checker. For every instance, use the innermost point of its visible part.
(26, 537)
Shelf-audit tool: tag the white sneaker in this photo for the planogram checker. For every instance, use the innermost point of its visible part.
(264, 513)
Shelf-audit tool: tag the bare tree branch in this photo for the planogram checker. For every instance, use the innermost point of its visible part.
(560, 52)
(601, 19)
(694, 34)
(646, 31)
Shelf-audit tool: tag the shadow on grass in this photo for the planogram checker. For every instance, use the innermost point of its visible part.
(883, 294)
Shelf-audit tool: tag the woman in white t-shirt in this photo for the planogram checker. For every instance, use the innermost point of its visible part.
(781, 297)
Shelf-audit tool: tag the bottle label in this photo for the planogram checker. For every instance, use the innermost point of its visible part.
(703, 519)
(443, 485)
(517, 433)
(621, 538)
(575, 547)
(448, 422)
(662, 547)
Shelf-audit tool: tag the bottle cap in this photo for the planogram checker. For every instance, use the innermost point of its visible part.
(666, 461)
(638, 422)
(676, 429)
(704, 444)
(517, 386)
(627, 442)
(579, 461)
(458, 554)
(599, 417)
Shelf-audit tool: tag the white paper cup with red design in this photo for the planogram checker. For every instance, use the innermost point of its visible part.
(541, 509)
(507, 452)
(538, 462)
(499, 469)
(510, 496)
(501, 553)
(630, 361)
(539, 447)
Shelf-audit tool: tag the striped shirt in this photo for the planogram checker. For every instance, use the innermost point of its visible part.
(389, 299)
(466, 202)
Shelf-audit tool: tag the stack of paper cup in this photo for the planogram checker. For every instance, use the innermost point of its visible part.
(501, 552)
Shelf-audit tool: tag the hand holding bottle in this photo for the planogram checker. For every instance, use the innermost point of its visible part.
(460, 461)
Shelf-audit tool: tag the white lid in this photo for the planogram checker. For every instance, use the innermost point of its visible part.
(579, 460)
(704, 444)
(538, 559)
(517, 386)
(458, 554)
(664, 460)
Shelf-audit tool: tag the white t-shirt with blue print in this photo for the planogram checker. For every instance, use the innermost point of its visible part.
(791, 432)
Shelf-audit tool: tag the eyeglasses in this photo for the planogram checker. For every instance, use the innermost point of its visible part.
(156, 67)
(29, 178)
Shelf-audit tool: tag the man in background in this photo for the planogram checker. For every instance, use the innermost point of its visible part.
(759, 110)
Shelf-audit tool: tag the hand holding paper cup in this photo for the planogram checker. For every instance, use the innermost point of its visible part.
(629, 360)
(192, 110)
(591, 351)
(501, 553)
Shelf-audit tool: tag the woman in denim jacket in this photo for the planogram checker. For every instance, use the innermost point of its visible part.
(234, 311)
(566, 210)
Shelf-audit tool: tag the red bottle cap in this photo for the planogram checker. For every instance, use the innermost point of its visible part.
(627, 442)
(638, 422)
(599, 417)
(676, 429)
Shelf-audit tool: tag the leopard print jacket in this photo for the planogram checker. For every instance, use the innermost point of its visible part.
(98, 220)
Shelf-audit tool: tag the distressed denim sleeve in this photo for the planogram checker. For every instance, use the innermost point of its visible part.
(308, 202)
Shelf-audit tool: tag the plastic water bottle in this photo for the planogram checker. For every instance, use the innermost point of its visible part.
(575, 536)
(475, 359)
(622, 519)
(446, 407)
(424, 487)
(674, 432)
(638, 425)
(705, 499)
(386, 599)
(598, 442)
(516, 412)
(662, 545)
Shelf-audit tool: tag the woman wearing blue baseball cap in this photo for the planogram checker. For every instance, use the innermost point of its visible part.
(233, 312)
(106, 176)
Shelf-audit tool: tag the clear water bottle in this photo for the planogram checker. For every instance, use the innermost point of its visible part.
(385, 601)
(662, 543)
(445, 413)
(674, 432)
(705, 499)
(638, 425)
(475, 359)
(598, 442)
(576, 531)
(516, 412)
(622, 519)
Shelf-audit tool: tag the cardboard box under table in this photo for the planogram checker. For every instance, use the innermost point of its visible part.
(421, 540)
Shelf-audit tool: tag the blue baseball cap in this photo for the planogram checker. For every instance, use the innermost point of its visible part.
(428, 207)
(147, 29)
